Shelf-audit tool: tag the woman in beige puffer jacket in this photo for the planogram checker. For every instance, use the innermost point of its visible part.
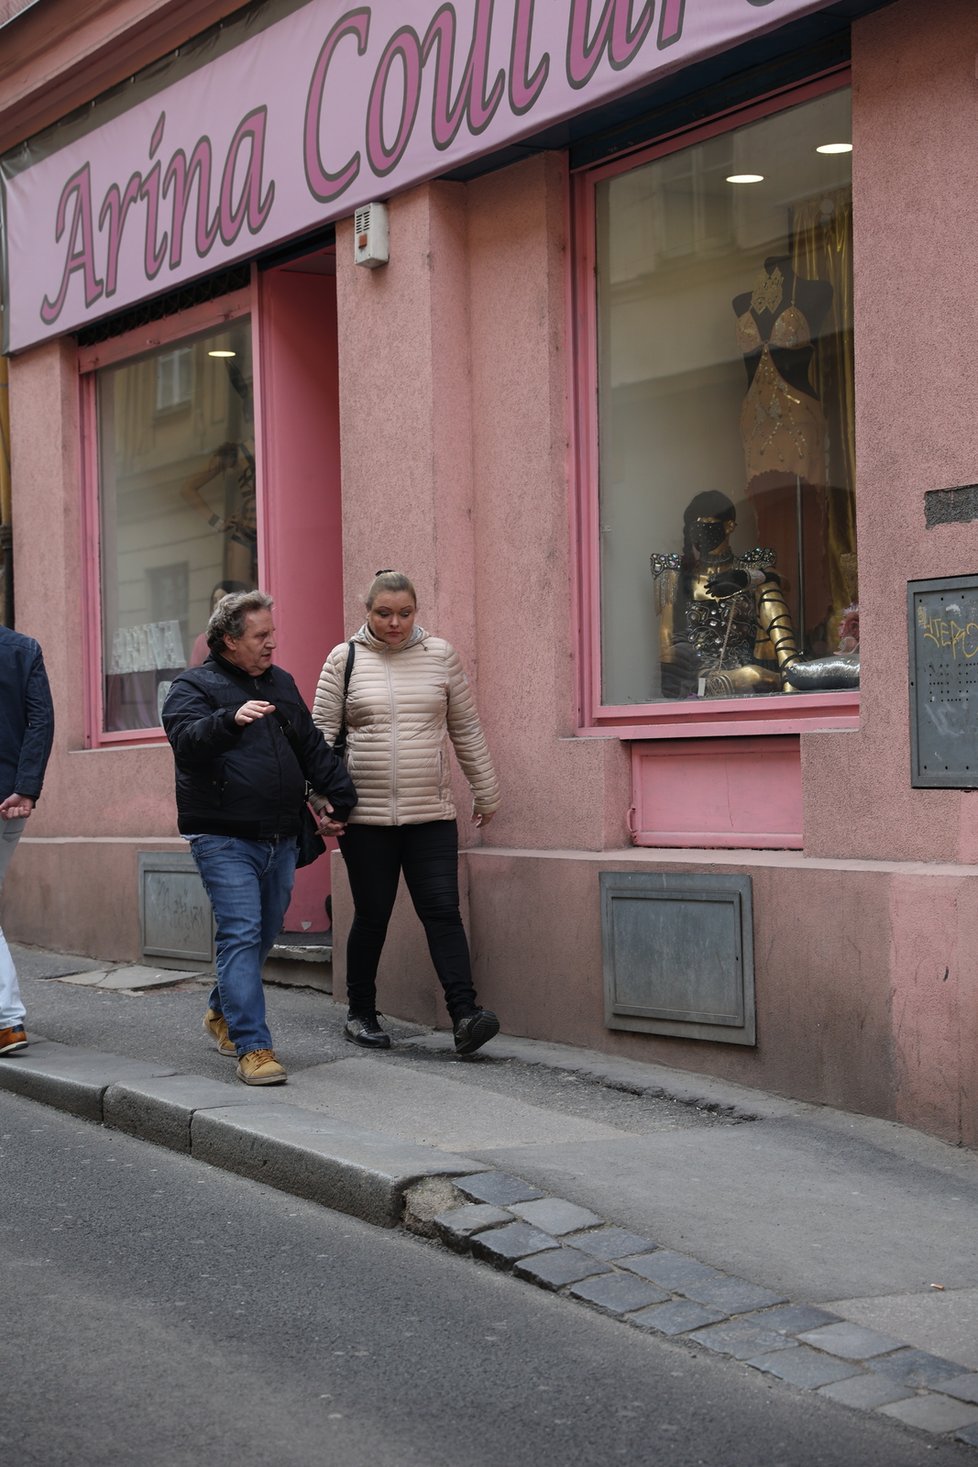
(407, 698)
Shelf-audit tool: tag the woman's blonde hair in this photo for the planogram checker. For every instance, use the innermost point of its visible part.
(389, 580)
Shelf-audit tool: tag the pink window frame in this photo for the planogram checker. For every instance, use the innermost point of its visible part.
(722, 716)
(166, 332)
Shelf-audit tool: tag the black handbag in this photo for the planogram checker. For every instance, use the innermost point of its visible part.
(311, 843)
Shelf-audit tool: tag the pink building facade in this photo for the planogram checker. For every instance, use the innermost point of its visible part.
(671, 293)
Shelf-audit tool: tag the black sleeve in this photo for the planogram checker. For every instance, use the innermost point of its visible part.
(324, 770)
(198, 732)
(39, 733)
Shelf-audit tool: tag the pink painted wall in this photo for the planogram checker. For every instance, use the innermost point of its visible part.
(867, 998)
(559, 790)
(299, 396)
(916, 335)
(867, 995)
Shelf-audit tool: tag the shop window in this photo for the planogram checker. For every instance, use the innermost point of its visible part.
(176, 510)
(718, 460)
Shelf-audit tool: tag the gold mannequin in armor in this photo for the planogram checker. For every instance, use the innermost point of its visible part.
(722, 616)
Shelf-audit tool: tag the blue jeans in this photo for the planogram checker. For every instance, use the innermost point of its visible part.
(11, 1004)
(249, 883)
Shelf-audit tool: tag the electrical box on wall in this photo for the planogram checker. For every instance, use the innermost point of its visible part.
(943, 682)
(371, 236)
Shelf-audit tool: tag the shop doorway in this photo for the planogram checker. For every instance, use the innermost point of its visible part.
(300, 454)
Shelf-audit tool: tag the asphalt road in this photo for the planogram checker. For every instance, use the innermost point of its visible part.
(161, 1313)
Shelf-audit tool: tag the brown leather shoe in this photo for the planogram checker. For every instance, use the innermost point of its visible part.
(216, 1025)
(12, 1039)
(260, 1067)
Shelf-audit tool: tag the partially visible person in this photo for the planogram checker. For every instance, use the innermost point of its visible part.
(244, 745)
(240, 528)
(407, 695)
(26, 736)
(200, 650)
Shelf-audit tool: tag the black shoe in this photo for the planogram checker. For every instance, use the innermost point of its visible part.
(475, 1030)
(364, 1029)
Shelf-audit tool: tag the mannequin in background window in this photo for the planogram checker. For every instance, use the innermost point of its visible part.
(782, 423)
(240, 528)
(722, 616)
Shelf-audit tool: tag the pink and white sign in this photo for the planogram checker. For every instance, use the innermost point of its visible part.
(331, 107)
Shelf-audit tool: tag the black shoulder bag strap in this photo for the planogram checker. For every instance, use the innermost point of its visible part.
(339, 743)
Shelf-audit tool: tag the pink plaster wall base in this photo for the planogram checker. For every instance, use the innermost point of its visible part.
(78, 896)
(866, 996)
(865, 1000)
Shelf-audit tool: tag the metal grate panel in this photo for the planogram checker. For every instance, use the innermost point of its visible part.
(175, 917)
(678, 953)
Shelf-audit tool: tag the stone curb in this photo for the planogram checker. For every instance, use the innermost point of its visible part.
(507, 1223)
(364, 1173)
(628, 1277)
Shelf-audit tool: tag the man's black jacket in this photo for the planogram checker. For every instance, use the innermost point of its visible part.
(26, 716)
(246, 782)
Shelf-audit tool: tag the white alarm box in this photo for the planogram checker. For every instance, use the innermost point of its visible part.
(371, 236)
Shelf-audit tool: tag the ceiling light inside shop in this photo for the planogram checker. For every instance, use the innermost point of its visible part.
(221, 352)
(834, 148)
(745, 177)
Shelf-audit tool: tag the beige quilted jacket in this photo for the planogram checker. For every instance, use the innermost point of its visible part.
(401, 703)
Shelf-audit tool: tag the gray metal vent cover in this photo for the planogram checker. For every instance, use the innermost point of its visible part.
(678, 954)
(175, 918)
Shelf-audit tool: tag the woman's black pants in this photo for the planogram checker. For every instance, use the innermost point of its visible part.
(375, 856)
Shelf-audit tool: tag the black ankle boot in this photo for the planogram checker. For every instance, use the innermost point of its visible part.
(475, 1030)
(365, 1029)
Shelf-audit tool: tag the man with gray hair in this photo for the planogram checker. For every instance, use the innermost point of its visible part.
(244, 745)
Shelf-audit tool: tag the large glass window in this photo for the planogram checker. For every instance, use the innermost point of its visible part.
(177, 510)
(725, 531)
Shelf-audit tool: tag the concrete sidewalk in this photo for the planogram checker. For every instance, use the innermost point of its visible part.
(836, 1252)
